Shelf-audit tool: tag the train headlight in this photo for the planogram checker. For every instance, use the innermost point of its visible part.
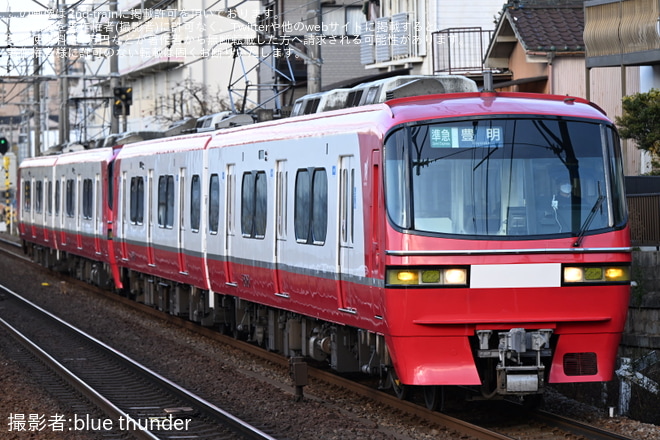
(427, 277)
(456, 276)
(403, 277)
(596, 274)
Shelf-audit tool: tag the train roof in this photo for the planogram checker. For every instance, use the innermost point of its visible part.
(484, 103)
(377, 119)
(93, 155)
(380, 118)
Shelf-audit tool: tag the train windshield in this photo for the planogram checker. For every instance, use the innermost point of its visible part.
(505, 177)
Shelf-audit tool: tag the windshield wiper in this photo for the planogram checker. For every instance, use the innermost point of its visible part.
(589, 219)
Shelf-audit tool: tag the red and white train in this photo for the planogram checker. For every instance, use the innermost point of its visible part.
(474, 239)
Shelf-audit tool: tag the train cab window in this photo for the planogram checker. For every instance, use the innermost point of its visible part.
(504, 177)
(214, 204)
(311, 206)
(27, 196)
(88, 199)
(166, 201)
(70, 198)
(195, 202)
(38, 196)
(254, 204)
(137, 200)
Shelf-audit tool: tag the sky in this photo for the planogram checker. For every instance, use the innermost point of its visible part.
(30, 19)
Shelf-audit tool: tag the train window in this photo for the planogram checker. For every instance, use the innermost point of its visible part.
(49, 196)
(311, 206)
(57, 197)
(502, 177)
(195, 202)
(70, 198)
(166, 201)
(39, 195)
(137, 200)
(254, 204)
(88, 199)
(347, 206)
(214, 204)
(27, 196)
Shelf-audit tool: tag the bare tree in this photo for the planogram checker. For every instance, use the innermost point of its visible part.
(191, 98)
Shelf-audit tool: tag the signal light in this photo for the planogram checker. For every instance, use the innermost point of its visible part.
(4, 145)
(123, 100)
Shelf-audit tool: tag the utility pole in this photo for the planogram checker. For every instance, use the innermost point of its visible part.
(314, 38)
(63, 54)
(114, 64)
(37, 97)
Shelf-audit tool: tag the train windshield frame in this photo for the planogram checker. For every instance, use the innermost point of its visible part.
(505, 177)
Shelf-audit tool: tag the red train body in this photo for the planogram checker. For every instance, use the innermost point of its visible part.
(461, 239)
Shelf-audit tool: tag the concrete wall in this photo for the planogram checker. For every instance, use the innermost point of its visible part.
(642, 332)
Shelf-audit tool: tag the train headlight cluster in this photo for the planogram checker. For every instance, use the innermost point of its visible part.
(431, 276)
(596, 274)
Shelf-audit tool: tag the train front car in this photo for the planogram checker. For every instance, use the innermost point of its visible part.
(507, 251)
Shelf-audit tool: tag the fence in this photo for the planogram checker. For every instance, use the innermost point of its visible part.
(644, 212)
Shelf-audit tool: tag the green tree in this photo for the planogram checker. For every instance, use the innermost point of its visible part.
(641, 122)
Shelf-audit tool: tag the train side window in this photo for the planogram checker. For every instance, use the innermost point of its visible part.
(70, 198)
(137, 200)
(195, 202)
(214, 204)
(260, 205)
(254, 204)
(38, 196)
(166, 201)
(88, 199)
(311, 206)
(49, 197)
(27, 196)
(57, 197)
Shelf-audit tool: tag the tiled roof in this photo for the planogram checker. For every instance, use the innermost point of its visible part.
(548, 27)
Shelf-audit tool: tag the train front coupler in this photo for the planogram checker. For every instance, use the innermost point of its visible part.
(520, 369)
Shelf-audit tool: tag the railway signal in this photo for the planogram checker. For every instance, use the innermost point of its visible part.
(4, 145)
(123, 100)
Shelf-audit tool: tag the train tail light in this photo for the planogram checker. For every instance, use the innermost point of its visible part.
(427, 276)
(601, 274)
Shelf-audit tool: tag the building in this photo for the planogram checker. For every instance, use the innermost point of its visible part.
(542, 46)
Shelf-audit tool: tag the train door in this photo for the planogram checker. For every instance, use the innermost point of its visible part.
(48, 217)
(98, 213)
(346, 228)
(230, 227)
(377, 229)
(182, 211)
(78, 211)
(281, 178)
(122, 215)
(60, 203)
(150, 218)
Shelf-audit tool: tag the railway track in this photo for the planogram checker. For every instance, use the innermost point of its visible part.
(133, 398)
(525, 425)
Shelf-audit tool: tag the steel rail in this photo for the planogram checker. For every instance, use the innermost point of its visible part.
(208, 409)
